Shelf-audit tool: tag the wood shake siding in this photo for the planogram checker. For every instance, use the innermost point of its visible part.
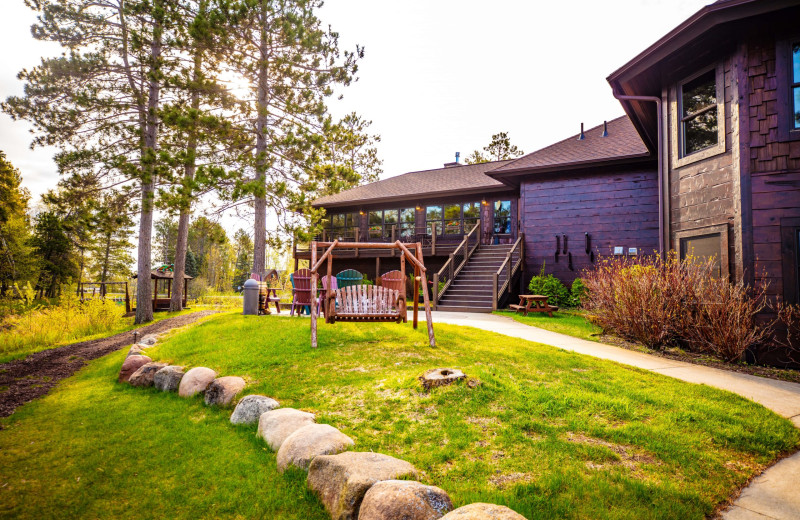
(615, 208)
(774, 166)
(701, 193)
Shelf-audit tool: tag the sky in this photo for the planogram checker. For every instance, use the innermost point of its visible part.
(438, 76)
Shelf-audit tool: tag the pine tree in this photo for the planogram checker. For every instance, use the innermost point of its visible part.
(499, 149)
(16, 262)
(293, 63)
(99, 102)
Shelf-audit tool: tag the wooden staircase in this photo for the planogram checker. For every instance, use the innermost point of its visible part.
(472, 288)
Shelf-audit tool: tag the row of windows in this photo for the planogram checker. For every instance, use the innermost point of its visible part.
(450, 219)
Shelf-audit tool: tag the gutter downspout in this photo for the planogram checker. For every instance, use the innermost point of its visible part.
(657, 101)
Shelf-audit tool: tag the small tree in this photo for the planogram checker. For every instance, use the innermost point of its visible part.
(500, 148)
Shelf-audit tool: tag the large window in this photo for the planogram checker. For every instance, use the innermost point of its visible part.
(407, 227)
(502, 217)
(433, 215)
(381, 222)
(699, 113)
(343, 225)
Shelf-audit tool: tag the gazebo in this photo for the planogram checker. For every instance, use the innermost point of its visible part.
(163, 277)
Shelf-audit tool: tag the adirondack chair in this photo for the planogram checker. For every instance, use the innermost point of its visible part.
(396, 281)
(268, 293)
(349, 277)
(301, 291)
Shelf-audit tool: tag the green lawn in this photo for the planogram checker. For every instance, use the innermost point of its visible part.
(551, 434)
(571, 322)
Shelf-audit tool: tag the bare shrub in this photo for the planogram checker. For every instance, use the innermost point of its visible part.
(674, 302)
(787, 323)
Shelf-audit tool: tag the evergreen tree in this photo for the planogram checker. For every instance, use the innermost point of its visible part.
(55, 252)
(244, 258)
(111, 253)
(99, 102)
(500, 148)
(192, 264)
(16, 262)
(292, 63)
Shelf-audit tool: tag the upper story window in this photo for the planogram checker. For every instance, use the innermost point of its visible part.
(787, 72)
(381, 222)
(699, 113)
(407, 227)
(433, 215)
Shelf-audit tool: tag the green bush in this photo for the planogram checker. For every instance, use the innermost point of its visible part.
(577, 293)
(550, 286)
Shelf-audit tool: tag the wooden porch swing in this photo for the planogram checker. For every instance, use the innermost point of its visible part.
(366, 303)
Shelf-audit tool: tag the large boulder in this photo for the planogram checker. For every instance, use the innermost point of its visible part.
(196, 381)
(144, 375)
(251, 407)
(275, 426)
(480, 511)
(300, 448)
(131, 365)
(149, 340)
(168, 379)
(341, 481)
(223, 390)
(404, 499)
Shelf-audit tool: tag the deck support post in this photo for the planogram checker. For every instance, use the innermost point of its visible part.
(358, 232)
(378, 269)
(313, 296)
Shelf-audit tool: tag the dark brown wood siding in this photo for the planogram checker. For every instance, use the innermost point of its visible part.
(617, 208)
(775, 167)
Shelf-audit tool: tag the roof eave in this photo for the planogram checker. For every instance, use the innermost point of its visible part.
(625, 159)
(417, 196)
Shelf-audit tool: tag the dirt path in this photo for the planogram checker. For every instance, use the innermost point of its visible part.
(24, 380)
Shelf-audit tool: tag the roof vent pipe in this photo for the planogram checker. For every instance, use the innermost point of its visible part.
(458, 154)
(605, 128)
(582, 136)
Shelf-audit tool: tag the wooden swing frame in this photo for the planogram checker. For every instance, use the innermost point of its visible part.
(415, 259)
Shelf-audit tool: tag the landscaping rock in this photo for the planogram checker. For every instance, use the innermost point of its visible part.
(251, 407)
(275, 426)
(440, 377)
(196, 381)
(149, 340)
(144, 375)
(131, 365)
(300, 448)
(341, 481)
(168, 379)
(483, 512)
(135, 350)
(223, 390)
(391, 499)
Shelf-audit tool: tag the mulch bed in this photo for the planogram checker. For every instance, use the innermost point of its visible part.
(24, 380)
(781, 374)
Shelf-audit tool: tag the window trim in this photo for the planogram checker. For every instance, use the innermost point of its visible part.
(510, 217)
(722, 230)
(790, 259)
(678, 157)
(783, 73)
(342, 230)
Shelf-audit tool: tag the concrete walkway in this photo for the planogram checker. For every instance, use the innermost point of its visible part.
(772, 495)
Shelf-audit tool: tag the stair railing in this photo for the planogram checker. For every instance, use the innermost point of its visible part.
(458, 259)
(511, 267)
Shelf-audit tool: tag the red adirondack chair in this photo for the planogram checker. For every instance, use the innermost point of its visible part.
(396, 281)
(301, 291)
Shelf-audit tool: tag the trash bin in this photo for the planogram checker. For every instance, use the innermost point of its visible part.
(251, 297)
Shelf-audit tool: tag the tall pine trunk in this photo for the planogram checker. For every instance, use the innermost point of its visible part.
(144, 294)
(176, 301)
(260, 205)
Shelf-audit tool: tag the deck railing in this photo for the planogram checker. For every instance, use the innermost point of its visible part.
(511, 267)
(458, 259)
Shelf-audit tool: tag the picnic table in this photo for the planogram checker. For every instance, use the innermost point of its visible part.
(533, 303)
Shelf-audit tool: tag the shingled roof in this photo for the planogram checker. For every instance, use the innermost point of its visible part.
(622, 143)
(449, 180)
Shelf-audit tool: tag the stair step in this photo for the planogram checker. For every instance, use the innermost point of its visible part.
(463, 308)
